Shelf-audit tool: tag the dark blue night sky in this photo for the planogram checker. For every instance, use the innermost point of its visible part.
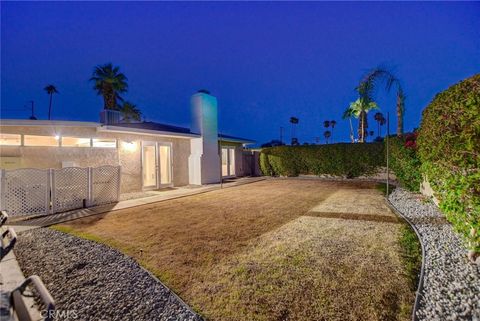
(264, 62)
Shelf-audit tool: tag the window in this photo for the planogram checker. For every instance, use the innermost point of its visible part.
(105, 142)
(31, 140)
(10, 139)
(75, 142)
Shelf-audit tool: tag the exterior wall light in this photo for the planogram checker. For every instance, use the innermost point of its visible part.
(129, 146)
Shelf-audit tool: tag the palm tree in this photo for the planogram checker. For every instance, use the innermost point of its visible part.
(378, 117)
(50, 89)
(348, 114)
(383, 121)
(367, 86)
(109, 83)
(130, 112)
(332, 124)
(359, 109)
(326, 123)
(327, 135)
(293, 121)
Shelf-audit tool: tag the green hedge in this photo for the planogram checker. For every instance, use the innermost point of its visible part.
(449, 149)
(405, 162)
(348, 160)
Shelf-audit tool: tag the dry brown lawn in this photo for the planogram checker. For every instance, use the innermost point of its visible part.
(271, 250)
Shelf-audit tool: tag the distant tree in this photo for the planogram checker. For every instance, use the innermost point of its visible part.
(130, 112)
(273, 143)
(378, 117)
(327, 135)
(109, 82)
(332, 124)
(50, 89)
(294, 121)
(326, 123)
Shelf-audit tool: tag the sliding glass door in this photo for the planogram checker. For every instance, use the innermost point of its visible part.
(228, 161)
(156, 165)
(149, 165)
(165, 156)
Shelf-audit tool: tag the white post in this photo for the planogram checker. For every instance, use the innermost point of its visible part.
(388, 169)
(50, 197)
(89, 188)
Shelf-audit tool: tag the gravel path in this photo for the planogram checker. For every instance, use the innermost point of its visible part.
(451, 289)
(95, 281)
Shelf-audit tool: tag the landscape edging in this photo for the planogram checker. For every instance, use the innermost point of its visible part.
(418, 294)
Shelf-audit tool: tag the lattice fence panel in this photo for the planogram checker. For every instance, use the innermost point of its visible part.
(26, 191)
(105, 184)
(69, 188)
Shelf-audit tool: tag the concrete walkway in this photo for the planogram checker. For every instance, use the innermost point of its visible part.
(47, 220)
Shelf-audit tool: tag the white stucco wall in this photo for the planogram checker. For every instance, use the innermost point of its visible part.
(126, 156)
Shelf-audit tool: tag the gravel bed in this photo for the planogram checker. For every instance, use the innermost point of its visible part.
(451, 288)
(95, 281)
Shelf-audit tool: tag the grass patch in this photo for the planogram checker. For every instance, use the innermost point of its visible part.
(411, 254)
(257, 253)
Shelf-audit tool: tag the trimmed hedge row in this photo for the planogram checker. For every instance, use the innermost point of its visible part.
(449, 149)
(405, 162)
(348, 160)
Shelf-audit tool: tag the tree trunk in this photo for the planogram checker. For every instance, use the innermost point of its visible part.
(109, 98)
(351, 130)
(50, 107)
(399, 114)
(363, 126)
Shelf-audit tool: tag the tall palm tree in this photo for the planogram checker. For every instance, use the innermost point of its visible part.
(109, 82)
(327, 135)
(369, 82)
(50, 89)
(332, 124)
(359, 109)
(326, 123)
(293, 121)
(130, 112)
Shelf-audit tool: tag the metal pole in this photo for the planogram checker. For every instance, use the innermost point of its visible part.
(387, 141)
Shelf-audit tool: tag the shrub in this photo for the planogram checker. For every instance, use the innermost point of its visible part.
(449, 149)
(265, 165)
(404, 161)
(349, 160)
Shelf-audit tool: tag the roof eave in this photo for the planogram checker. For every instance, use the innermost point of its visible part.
(31, 122)
(138, 131)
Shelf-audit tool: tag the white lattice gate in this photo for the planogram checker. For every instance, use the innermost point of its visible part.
(69, 188)
(25, 191)
(105, 185)
(45, 191)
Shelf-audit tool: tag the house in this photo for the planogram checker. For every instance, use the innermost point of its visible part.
(151, 155)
